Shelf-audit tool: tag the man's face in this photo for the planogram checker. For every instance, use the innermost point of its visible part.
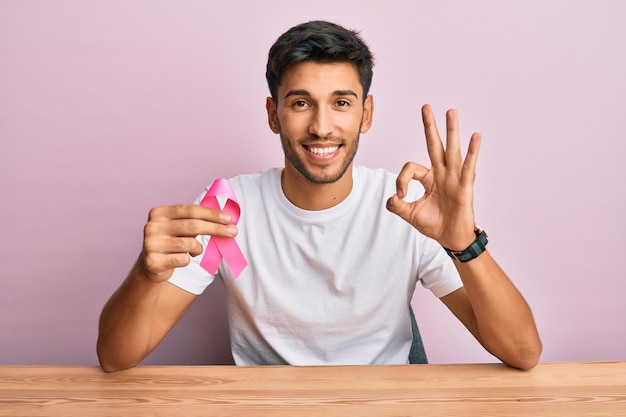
(319, 115)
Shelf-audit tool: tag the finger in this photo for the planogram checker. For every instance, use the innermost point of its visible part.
(410, 171)
(401, 208)
(189, 211)
(453, 148)
(193, 227)
(173, 245)
(396, 205)
(433, 140)
(158, 263)
(468, 172)
(188, 228)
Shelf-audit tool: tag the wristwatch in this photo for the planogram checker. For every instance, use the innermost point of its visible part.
(472, 251)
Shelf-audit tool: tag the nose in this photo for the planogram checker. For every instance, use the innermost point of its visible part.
(321, 124)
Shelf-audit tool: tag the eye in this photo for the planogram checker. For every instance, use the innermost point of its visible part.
(342, 103)
(300, 103)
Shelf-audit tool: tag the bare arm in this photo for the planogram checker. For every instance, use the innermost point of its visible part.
(489, 305)
(495, 312)
(145, 307)
(136, 318)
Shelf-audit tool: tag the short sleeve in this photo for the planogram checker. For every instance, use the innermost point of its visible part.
(437, 272)
(192, 278)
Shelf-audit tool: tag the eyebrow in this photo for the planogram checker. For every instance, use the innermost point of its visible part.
(337, 93)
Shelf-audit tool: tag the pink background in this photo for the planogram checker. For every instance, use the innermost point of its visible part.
(108, 108)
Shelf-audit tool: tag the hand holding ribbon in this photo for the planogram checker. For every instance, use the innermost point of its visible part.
(220, 247)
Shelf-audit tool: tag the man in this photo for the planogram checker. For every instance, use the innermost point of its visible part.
(334, 250)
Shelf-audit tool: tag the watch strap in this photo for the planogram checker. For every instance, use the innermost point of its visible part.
(472, 251)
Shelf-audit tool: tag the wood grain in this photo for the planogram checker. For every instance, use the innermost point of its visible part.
(551, 389)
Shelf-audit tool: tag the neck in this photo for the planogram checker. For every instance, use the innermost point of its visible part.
(311, 196)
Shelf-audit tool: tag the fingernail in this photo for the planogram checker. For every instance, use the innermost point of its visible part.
(231, 230)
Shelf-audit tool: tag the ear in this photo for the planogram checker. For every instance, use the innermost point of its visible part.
(368, 113)
(272, 115)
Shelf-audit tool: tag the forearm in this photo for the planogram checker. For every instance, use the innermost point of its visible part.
(126, 323)
(504, 323)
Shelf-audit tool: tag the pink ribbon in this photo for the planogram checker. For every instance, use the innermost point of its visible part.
(220, 247)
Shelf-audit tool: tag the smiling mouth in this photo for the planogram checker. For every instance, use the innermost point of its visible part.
(322, 151)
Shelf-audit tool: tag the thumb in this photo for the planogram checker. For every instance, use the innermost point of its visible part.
(399, 207)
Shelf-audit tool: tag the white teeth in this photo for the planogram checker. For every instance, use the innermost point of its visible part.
(323, 151)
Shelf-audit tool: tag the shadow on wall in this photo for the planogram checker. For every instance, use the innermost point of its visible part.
(201, 336)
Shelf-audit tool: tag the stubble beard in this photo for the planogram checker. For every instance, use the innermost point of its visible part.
(324, 177)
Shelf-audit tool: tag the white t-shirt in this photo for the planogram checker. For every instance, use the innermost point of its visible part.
(324, 287)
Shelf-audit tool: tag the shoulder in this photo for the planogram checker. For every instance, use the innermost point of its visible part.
(248, 184)
(255, 179)
(257, 182)
(255, 188)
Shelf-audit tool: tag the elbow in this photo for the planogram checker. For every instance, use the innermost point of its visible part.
(525, 357)
(109, 362)
(109, 367)
(523, 364)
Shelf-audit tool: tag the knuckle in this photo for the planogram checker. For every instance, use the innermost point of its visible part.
(149, 229)
(408, 165)
(188, 228)
(152, 263)
(171, 212)
(178, 245)
(159, 264)
(152, 230)
(150, 246)
(155, 213)
(180, 208)
(186, 224)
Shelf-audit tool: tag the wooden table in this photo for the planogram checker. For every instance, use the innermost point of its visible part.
(551, 389)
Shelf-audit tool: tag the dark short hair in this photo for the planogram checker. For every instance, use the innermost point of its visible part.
(318, 41)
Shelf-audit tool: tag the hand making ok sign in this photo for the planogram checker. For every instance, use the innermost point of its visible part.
(445, 212)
